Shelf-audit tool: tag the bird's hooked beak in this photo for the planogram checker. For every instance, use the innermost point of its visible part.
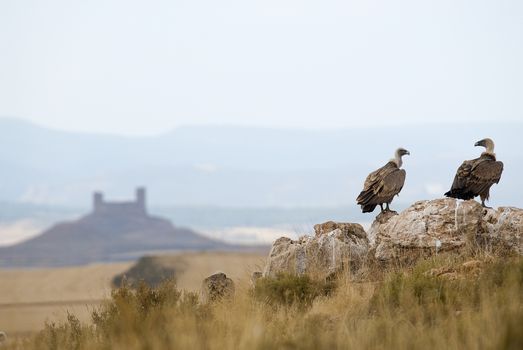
(407, 152)
(479, 143)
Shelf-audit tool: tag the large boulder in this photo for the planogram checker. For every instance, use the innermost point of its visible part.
(378, 221)
(443, 225)
(217, 287)
(334, 246)
(503, 229)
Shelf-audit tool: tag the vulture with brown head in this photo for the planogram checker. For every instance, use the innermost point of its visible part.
(475, 177)
(383, 184)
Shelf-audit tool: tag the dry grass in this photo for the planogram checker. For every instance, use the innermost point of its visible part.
(439, 303)
(50, 284)
(194, 267)
(29, 297)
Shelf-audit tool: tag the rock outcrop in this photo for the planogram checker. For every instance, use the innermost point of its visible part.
(335, 246)
(442, 225)
(425, 228)
(217, 287)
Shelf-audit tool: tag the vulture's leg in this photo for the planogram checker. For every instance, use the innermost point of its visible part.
(483, 204)
(381, 206)
(387, 207)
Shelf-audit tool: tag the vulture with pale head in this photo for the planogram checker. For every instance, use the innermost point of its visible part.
(475, 177)
(383, 184)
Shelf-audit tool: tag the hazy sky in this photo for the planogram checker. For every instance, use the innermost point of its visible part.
(141, 67)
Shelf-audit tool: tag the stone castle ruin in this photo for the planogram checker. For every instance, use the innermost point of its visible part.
(119, 208)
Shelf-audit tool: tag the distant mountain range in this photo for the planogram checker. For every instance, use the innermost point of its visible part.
(245, 167)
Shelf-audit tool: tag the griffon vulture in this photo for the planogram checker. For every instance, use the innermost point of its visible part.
(383, 184)
(474, 177)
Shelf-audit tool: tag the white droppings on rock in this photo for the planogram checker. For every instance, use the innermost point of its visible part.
(456, 225)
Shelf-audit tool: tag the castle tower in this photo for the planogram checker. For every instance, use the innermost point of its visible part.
(98, 199)
(141, 198)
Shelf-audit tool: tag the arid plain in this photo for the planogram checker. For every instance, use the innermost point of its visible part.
(30, 297)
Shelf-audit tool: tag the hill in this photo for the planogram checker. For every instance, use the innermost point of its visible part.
(113, 231)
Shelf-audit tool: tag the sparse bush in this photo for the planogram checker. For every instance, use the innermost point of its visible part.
(147, 269)
(401, 289)
(291, 290)
(142, 312)
(70, 334)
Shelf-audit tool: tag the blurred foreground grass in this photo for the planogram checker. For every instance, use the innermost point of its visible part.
(440, 303)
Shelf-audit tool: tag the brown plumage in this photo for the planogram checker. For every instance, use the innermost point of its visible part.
(475, 177)
(383, 184)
